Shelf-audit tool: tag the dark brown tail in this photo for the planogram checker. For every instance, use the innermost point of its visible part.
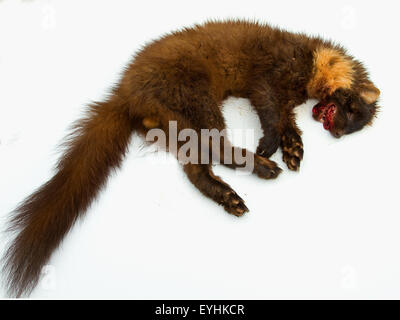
(97, 144)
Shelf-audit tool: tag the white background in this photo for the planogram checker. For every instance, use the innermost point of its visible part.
(329, 231)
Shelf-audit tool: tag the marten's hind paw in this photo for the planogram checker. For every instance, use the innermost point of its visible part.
(234, 204)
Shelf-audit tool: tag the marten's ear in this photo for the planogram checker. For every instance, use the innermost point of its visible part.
(369, 93)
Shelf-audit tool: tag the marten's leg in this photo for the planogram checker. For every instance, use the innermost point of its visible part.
(279, 126)
(245, 160)
(291, 142)
(215, 188)
(267, 107)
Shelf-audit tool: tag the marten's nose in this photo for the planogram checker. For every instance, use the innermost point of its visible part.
(337, 133)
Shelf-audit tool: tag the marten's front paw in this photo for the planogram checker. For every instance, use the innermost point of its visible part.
(292, 150)
(265, 168)
(267, 146)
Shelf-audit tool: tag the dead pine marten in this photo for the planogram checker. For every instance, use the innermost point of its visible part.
(183, 78)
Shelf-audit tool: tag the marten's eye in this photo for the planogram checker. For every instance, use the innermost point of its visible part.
(352, 107)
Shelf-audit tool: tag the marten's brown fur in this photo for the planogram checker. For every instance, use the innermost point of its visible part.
(184, 77)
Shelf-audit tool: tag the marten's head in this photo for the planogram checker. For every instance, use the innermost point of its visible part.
(348, 99)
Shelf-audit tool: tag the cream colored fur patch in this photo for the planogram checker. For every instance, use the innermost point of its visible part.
(332, 70)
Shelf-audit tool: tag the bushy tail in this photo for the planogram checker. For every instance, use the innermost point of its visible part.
(97, 144)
